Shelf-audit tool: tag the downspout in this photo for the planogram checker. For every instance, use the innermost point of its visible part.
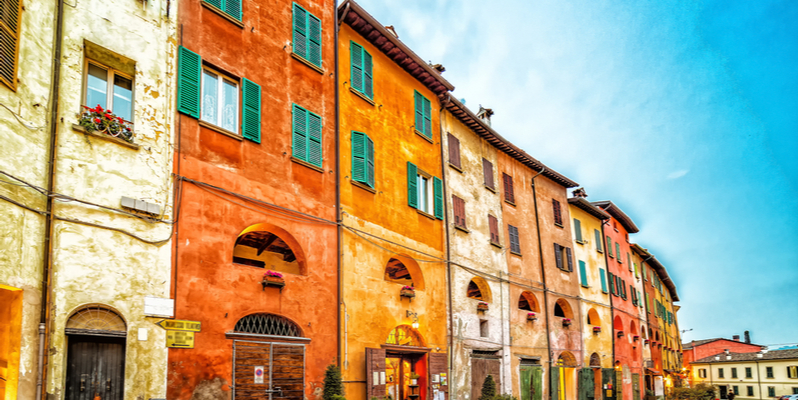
(44, 320)
(447, 246)
(338, 188)
(610, 302)
(758, 374)
(541, 265)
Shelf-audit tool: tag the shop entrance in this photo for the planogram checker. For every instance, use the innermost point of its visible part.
(402, 379)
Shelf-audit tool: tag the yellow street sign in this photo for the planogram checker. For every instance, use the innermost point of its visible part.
(179, 325)
(180, 339)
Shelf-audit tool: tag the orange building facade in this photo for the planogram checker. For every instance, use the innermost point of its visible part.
(256, 159)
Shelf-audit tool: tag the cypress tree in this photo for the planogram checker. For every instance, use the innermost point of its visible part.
(489, 390)
(332, 385)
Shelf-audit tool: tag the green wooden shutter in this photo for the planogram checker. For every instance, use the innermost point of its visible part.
(419, 121)
(525, 384)
(426, 112)
(216, 3)
(611, 283)
(630, 264)
(314, 40)
(582, 266)
(370, 163)
(314, 139)
(368, 74)
(578, 235)
(537, 384)
(646, 303)
(299, 133)
(233, 8)
(189, 72)
(554, 383)
(359, 156)
(356, 66)
(251, 111)
(639, 297)
(598, 240)
(569, 259)
(413, 199)
(603, 285)
(300, 31)
(586, 384)
(608, 379)
(438, 199)
(610, 249)
(633, 296)
(619, 257)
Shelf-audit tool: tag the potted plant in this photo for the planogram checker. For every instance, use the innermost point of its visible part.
(407, 291)
(596, 329)
(531, 316)
(414, 376)
(483, 306)
(635, 337)
(620, 334)
(646, 341)
(566, 322)
(104, 121)
(272, 278)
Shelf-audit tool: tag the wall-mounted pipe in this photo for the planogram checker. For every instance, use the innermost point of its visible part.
(541, 265)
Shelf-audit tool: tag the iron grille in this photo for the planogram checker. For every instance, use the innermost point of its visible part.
(95, 317)
(267, 324)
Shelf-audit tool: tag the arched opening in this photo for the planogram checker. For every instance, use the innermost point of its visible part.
(566, 364)
(592, 318)
(267, 324)
(562, 309)
(649, 333)
(405, 271)
(594, 360)
(617, 323)
(658, 338)
(527, 302)
(644, 334)
(270, 247)
(478, 289)
(632, 330)
(566, 359)
(96, 347)
(405, 335)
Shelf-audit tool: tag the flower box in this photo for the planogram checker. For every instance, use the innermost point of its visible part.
(566, 322)
(274, 279)
(596, 329)
(620, 334)
(482, 306)
(408, 291)
(646, 341)
(104, 121)
(635, 337)
(531, 316)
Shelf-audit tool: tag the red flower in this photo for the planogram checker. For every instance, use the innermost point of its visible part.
(97, 120)
(129, 129)
(98, 109)
(120, 119)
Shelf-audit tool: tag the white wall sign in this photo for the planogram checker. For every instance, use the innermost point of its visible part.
(258, 374)
(158, 307)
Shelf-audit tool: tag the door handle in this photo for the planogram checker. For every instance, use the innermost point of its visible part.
(108, 384)
(83, 384)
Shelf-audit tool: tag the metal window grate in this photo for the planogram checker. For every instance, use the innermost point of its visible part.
(267, 324)
(96, 318)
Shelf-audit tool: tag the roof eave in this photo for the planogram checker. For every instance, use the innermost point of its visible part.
(585, 205)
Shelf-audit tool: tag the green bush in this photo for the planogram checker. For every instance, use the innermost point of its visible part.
(332, 387)
(700, 391)
(489, 389)
(504, 397)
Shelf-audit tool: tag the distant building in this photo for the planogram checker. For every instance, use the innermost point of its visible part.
(697, 349)
(754, 375)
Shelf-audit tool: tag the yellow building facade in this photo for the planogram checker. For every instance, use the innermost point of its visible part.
(758, 375)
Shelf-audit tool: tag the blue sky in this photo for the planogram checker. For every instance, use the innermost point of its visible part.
(682, 113)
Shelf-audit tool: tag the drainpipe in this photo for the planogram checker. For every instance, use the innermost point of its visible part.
(44, 320)
(338, 188)
(610, 301)
(758, 374)
(541, 265)
(447, 244)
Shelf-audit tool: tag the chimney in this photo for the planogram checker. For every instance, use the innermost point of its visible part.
(747, 337)
(485, 114)
(438, 67)
(727, 351)
(579, 192)
(390, 28)
(736, 338)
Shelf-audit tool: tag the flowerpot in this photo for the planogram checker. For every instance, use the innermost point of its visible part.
(531, 318)
(273, 282)
(407, 293)
(413, 381)
(482, 307)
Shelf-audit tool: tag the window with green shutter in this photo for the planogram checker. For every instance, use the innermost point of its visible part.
(232, 8)
(425, 192)
(612, 283)
(360, 70)
(306, 35)
(578, 235)
(411, 178)
(190, 67)
(598, 241)
(646, 303)
(251, 111)
(619, 257)
(603, 284)
(610, 249)
(582, 266)
(306, 136)
(422, 115)
(363, 159)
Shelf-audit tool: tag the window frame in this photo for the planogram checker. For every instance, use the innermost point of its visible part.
(14, 35)
(110, 73)
(220, 85)
(750, 391)
(558, 219)
(362, 92)
(459, 213)
(304, 57)
(748, 372)
(770, 373)
(428, 179)
(305, 161)
(516, 250)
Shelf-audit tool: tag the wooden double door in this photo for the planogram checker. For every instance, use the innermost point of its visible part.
(95, 368)
(268, 370)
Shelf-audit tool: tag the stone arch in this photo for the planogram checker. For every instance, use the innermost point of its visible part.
(404, 270)
(618, 323)
(95, 317)
(566, 359)
(593, 318)
(405, 335)
(527, 301)
(562, 309)
(267, 324)
(594, 360)
(478, 289)
(268, 246)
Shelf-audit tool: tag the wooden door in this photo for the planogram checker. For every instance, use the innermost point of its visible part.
(268, 371)
(95, 367)
(586, 384)
(376, 372)
(481, 368)
(608, 383)
(636, 393)
(530, 380)
(555, 383)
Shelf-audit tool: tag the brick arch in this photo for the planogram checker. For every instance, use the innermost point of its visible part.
(528, 299)
(401, 261)
(479, 284)
(261, 238)
(563, 305)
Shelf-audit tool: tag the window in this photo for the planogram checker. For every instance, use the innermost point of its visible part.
(363, 158)
(488, 174)
(646, 303)
(612, 281)
(578, 235)
(701, 372)
(220, 105)
(603, 284)
(232, 8)
(624, 291)
(794, 390)
(749, 391)
(598, 241)
(619, 257)
(771, 391)
(484, 328)
(736, 390)
(634, 299)
(582, 270)
(734, 373)
(770, 374)
(360, 70)
(791, 371)
(9, 35)
(425, 192)
(563, 257)
(508, 187)
(107, 88)
(307, 36)
(721, 373)
(454, 148)
(630, 264)
(748, 372)
(422, 115)
(610, 251)
(494, 232)
(474, 291)
(459, 212)
(306, 136)
(513, 238)
(557, 213)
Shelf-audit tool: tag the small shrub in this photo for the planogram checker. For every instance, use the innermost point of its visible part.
(504, 397)
(332, 387)
(489, 389)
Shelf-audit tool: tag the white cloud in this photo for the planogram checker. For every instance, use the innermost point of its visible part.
(677, 174)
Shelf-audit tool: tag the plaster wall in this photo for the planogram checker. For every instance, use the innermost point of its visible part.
(782, 383)
(24, 132)
(653, 326)
(638, 284)
(473, 256)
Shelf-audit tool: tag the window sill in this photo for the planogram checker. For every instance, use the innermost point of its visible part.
(78, 128)
(223, 14)
(453, 166)
(363, 186)
(600, 251)
(220, 130)
(495, 244)
(363, 96)
(425, 214)
(307, 164)
(491, 189)
(515, 253)
(511, 202)
(558, 225)
(580, 241)
(308, 63)
(422, 135)
(461, 228)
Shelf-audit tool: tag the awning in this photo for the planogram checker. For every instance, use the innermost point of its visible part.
(653, 371)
